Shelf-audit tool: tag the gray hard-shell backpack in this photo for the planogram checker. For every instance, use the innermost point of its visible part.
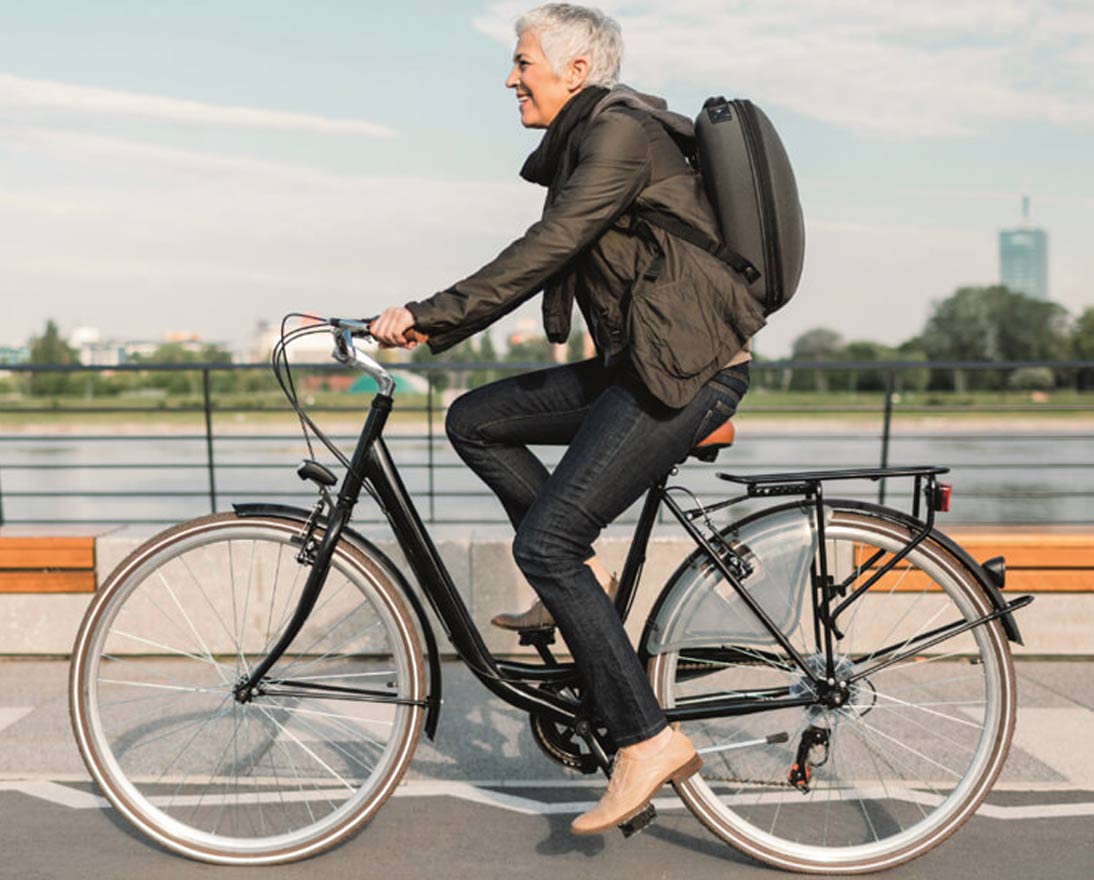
(748, 178)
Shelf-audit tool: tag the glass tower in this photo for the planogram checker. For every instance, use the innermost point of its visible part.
(1023, 258)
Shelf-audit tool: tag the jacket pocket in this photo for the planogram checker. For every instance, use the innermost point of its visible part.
(677, 328)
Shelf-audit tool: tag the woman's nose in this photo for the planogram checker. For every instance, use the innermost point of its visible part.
(513, 79)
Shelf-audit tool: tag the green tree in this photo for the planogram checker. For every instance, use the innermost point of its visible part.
(422, 355)
(1082, 346)
(994, 324)
(858, 379)
(486, 354)
(467, 352)
(534, 350)
(187, 381)
(50, 349)
(818, 344)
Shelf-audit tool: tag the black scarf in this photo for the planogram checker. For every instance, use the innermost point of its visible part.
(566, 128)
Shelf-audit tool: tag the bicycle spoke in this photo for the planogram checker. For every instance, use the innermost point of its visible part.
(304, 748)
(273, 594)
(247, 600)
(220, 762)
(232, 636)
(290, 607)
(207, 659)
(922, 707)
(295, 664)
(334, 744)
(190, 623)
(339, 721)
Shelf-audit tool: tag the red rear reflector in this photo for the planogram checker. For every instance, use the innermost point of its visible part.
(942, 497)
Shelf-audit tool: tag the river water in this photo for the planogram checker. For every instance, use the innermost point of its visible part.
(1031, 476)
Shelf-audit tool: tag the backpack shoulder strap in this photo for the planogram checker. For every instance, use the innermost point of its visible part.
(678, 228)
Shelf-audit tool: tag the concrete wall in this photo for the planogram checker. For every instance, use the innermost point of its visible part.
(482, 566)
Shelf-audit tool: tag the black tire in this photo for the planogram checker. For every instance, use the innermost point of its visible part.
(176, 625)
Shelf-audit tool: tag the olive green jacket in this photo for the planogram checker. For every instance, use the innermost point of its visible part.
(677, 330)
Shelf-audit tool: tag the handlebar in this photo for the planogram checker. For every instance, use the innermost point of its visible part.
(359, 327)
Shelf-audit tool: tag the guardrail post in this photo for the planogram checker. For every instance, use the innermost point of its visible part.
(429, 434)
(886, 430)
(208, 406)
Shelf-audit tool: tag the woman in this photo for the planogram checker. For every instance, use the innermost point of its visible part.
(671, 325)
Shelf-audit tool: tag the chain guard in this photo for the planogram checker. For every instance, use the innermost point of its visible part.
(561, 744)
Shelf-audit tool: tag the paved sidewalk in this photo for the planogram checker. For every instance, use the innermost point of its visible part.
(482, 802)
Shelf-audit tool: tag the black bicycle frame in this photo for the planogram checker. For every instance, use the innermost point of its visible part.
(547, 689)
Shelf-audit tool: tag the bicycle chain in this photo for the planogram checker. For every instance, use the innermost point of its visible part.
(770, 783)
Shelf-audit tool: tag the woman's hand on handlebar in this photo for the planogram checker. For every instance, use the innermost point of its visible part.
(394, 327)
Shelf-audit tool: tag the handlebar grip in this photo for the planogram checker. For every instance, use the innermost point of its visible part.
(413, 335)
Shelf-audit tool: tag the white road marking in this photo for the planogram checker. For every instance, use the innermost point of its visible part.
(55, 793)
(10, 714)
(1037, 811)
(1061, 739)
(63, 795)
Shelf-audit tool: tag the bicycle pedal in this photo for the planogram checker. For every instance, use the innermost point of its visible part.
(640, 821)
(544, 635)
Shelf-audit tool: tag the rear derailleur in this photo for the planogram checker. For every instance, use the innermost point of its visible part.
(801, 773)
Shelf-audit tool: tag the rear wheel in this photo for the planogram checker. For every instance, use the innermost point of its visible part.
(911, 750)
(292, 771)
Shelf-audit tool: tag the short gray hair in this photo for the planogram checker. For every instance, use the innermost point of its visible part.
(566, 32)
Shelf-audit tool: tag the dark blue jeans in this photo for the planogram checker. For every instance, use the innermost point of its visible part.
(620, 440)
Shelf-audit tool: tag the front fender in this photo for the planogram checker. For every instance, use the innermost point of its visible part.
(298, 514)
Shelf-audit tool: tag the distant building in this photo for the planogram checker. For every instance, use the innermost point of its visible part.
(10, 355)
(94, 351)
(314, 348)
(1023, 257)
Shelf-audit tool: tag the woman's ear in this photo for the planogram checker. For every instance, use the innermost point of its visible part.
(577, 71)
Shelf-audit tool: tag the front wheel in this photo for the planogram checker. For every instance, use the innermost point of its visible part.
(296, 768)
(910, 750)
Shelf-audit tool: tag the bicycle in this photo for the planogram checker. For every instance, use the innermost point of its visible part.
(249, 687)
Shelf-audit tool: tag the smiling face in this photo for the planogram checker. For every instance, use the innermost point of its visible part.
(541, 93)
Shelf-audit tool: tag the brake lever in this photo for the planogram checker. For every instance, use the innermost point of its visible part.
(357, 328)
(344, 349)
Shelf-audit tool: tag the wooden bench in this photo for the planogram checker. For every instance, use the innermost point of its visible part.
(57, 563)
(1039, 560)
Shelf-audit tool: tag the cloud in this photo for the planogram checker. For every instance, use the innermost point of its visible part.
(128, 152)
(262, 185)
(20, 93)
(887, 68)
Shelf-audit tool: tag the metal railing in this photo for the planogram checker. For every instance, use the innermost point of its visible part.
(773, 382)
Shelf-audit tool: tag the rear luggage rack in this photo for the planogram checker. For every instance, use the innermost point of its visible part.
(846, 474)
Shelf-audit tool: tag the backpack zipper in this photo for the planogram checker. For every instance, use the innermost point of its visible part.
(772, 258)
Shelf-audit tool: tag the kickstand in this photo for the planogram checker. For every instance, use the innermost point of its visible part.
(640, 821)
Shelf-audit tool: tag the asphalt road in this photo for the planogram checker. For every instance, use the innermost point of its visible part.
(482, 802)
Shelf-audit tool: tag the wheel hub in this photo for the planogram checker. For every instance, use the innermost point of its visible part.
(832, 693)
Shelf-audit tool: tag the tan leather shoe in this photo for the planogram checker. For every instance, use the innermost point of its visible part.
(538, 617)
(635, 780)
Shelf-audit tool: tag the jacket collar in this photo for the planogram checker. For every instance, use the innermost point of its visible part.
(624, 96)
(540, 167)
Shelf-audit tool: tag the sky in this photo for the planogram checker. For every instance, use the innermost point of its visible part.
(204, 166)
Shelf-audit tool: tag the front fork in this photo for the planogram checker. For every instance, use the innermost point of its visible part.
(320, 560)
